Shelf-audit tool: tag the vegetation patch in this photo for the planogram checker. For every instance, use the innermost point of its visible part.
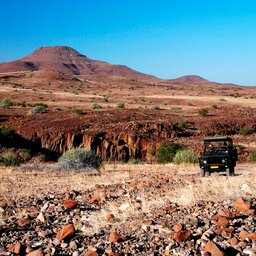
(185, 156)
(203, 112)
(167, 152)
(78, 159)
(95, 106)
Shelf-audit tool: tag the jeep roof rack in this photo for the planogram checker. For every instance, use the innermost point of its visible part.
(218, 139)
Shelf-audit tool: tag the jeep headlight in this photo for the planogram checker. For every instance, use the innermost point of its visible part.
(223, 161)
(205, 162)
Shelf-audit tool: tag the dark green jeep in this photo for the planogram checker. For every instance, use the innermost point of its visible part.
(218, 155)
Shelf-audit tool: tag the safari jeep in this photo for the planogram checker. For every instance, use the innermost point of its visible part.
(218, 155)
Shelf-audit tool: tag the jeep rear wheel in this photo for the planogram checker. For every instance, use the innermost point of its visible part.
(230, 171)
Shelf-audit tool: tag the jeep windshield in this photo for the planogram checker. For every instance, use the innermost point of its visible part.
(217, 147)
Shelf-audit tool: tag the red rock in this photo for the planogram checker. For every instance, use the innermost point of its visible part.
(23, 222)
(86, 197)
(66, 232)
(70, 204)
(177, 227)
(233, 241)
(227, 214)
(95, 199)
(212, 248)
(215, 217)
(222, 222)
(3, 204)
(241, 205)
(15, 248)
(110, 217)
(181, 236)
(91, 253)
(247, 235)
(36, 253)
(169, 208)
(116, 237)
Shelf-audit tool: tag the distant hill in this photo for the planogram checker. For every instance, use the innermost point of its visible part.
(190, 79)
(67, 60)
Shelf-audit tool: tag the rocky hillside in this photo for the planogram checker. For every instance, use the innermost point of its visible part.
(67, 60)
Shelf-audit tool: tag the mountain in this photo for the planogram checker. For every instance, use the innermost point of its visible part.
(67, 60)
(190, 79)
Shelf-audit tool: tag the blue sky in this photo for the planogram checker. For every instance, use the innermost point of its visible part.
(167, 38)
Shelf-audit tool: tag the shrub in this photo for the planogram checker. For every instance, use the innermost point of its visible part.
(95, 106)
(120, 105)
(135, 161)
(245, 130)
(79, 159)
(203, 112)
(40, 104)
(185, 156)
(222, 99)
(252, 157)
(9, 158)
(21, 104)
(176, 109)
(5, 104)
(24, 154)
(78, 111)
(167, 152)
(214, 106)
(37, 110)
(7, 132)
(155, 107)
(183, 125)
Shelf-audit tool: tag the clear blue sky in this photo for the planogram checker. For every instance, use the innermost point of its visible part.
(215, 39)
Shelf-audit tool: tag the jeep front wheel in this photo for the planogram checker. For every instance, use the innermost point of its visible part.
(202, 172)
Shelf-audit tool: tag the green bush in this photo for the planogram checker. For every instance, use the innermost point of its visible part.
(245, 130)
(222, 99)
(183, 125)
(5, 104)
(95, 106)
(214, 106)
(203, 112)
(78, 159)
(21, 104)
(135, 161)
(176, 109)
(78, 111)
(6, 132)
(37, 110)
(24, 154)
(120, 105)
(252, 157)
(155, 107)
(185, 156)
(167, 152)
(9, 158)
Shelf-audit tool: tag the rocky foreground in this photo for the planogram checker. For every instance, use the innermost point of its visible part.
(120, 219)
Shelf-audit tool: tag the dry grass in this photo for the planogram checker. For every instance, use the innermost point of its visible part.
(187, 189)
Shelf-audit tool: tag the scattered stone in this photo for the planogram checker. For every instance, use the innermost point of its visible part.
(23, 222)
(70, 203)
(115, 237)
(212, 248)
(91, 253)
(242, 205)
(181, 236)
(66, 232)
(247, 235)
(95, 199)
(36, 253)
(15, 248)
